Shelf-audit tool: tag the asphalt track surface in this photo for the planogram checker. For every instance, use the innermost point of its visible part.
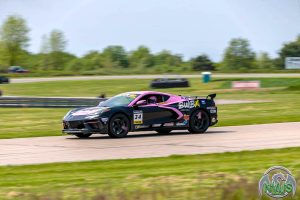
(148, 144)
(30, 80)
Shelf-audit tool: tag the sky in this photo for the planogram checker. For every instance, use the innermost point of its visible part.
(186, 27)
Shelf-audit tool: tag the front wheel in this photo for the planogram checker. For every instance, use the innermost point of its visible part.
(118, 126)
(199, 122)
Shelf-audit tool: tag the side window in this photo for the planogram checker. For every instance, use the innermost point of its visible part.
(165, 98)
(160, 98)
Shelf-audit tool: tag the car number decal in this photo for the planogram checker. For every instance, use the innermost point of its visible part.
(137, 117)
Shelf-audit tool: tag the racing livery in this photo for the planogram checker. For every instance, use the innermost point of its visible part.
(141, 111)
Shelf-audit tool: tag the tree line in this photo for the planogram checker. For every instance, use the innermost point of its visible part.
(238, 56)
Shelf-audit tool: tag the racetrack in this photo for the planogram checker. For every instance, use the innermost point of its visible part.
(148, 144)
(74, 78)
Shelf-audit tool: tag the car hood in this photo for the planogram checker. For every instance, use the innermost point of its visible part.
(85, 113)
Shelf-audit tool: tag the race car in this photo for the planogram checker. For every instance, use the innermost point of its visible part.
(142, 111)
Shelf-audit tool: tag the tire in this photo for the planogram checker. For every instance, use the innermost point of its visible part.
(199, 122)
(119, 126)
(83, 135)
(163, 131)
(169, 83)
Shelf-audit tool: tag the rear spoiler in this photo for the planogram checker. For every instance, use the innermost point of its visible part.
(211, 96)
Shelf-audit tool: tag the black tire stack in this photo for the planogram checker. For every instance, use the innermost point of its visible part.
(169, 83)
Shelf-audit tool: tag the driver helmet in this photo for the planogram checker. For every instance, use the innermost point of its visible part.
(152, 99)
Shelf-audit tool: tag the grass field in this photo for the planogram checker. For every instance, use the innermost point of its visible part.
(210, 176)
(30, 122)
(93, 88)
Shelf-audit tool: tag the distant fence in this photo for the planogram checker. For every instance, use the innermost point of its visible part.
(49, 102)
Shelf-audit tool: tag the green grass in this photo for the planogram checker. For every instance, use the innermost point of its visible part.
(30, 122)
(113, 87)
(95, 87)
(184, 177)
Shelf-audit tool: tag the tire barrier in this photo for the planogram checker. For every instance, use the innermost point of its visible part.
(4, 79)
(169, 83)
(49, 102)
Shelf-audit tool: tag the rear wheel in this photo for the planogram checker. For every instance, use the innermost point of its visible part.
(199, 122)
(118, 126)
(83, 135)
(163, 131)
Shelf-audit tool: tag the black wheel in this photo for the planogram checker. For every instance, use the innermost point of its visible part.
(199, 122)
(163, 131)
(83, 135)
(118, 126)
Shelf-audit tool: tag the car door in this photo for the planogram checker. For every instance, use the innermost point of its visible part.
(152, 114)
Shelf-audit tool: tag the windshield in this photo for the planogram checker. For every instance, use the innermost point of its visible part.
(119, 100)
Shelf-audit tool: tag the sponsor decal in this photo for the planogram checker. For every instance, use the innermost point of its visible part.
(186, 117)
(213, 111)
(137, 117)
(185, 120)
(141, 126)
(186, 104)
(197, 103)
(277, 182)
(211, 108)
(203, 102)
(133, 96)
(156, 125)
(184, 123)
(169, 124)
(189, 104)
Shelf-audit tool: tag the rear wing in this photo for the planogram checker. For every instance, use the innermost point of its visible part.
(211, 96)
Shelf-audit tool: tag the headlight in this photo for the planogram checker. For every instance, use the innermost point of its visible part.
(92, 116)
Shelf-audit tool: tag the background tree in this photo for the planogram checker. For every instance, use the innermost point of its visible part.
(14, 39)
(93, 60)
(202, 63)
(43, 61)
(3, 58)
(238, 56)
(291, 49)
(57, 41)
(57, 58)
(115, 56)
(167, 58)
(165, 61)
(264, 62)
(141, 57)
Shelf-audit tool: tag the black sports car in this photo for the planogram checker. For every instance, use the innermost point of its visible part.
(140, 111)
(4, 79)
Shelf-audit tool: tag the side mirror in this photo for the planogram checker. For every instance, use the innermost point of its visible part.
(141, 103)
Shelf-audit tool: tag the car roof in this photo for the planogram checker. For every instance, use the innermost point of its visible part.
(148, 92)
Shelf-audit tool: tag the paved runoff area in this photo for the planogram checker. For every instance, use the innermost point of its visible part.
(148, 144)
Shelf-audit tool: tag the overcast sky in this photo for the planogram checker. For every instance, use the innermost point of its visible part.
(187, 27)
